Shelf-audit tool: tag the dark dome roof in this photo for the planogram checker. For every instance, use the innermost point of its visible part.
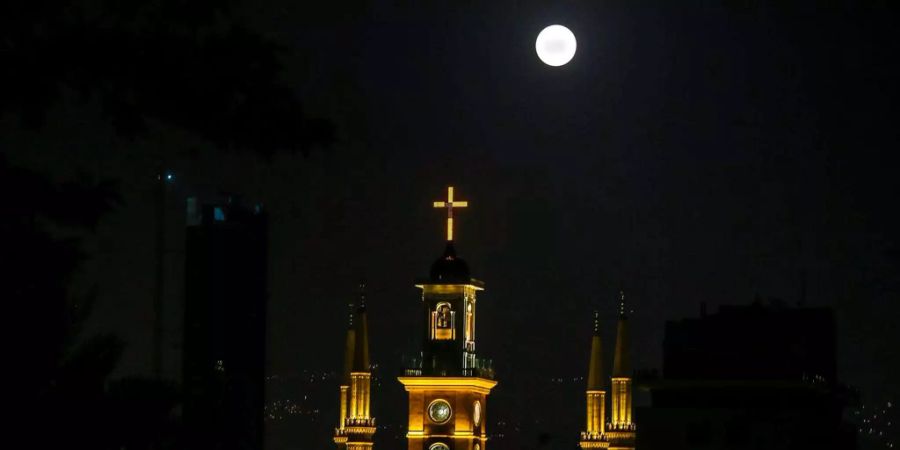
(449, 268)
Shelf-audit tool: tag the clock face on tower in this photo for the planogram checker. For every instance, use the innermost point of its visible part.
(476, 413)
(439, 411)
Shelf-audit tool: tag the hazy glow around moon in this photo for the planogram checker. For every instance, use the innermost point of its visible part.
(555, 45)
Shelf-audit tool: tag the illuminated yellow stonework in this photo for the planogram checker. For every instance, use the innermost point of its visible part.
(480, 385)
(621, 430)
(594, 434)
(465, 289)
(356, 428)
(621, 402)
(460, 431)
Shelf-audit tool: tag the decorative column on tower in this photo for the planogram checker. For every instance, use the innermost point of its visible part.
(356, 427)
(621, 428)
(447, 385)
(594, 435)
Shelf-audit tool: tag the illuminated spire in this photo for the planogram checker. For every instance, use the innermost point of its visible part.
(622, 357)
(357, 427)
(361, 352)
(595, 368)
(349, 347)
(594, 434)
(350, 315)
(449, 205)
(621, 424)
(346, 380)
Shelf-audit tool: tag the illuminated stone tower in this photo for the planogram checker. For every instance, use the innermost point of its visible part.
(621, 428)
(594, 436)
(356, 427)
(447, 385)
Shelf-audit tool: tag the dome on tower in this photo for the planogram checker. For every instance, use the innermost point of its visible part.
(449, 268)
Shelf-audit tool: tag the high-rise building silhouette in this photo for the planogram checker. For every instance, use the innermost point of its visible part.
(225, 325)
(757, 376)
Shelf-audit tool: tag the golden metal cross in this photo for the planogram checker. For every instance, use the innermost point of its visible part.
(450, 204)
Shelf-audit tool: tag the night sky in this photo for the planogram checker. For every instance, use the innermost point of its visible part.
(711, 153)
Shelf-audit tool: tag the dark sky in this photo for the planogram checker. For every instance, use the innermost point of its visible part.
(688, 153)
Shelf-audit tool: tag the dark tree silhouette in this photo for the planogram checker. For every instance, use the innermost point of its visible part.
(58, 376)
(184, 63)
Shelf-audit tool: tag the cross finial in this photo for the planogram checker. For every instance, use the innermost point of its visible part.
(450, 204)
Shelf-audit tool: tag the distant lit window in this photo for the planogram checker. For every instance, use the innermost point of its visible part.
(218, 214)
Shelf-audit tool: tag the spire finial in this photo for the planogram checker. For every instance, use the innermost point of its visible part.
(622, 311)
(596, 321)
(350, 315)
(362, 295)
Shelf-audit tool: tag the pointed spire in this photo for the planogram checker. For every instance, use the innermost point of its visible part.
(362, 295)
(350, 315)
(595, 368)
(622, 357)
(349, 347)
(361, 351)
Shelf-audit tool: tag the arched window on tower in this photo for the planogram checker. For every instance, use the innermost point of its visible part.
(443, 322)
(470, 326)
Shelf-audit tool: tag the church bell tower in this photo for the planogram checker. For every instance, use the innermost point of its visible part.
(447, 384)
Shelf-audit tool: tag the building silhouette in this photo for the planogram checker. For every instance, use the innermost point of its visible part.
(225, 325)
(754, 377)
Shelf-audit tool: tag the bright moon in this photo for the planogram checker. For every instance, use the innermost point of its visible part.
(555, 45)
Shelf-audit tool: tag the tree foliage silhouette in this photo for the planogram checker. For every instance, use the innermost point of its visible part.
(59, 376)
(184, 63)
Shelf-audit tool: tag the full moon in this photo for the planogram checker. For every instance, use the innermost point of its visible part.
(555, 45)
